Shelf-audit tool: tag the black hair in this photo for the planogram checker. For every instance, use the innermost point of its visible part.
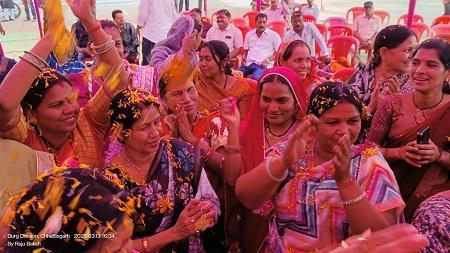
(220, 52)
(115, 12)
(390, 37)
(225, 12)
(274, 77)
(85, 198)
(41, 85)
(107, 23)
(442, 48)
(290, 49)
(196, 10)
(197, 25)
(260, 15)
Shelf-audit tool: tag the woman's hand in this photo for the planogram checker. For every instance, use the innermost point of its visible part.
(184, 128)
(185, 225)
(208, 217)
(428, 153)
(342, 157)
(409, 154)
(229, 112)
(393, 85)
(297, 143)
(189, 43)
(83, 9)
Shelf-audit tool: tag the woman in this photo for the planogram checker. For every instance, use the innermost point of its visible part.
(421, 169)
(57, 125)
(165, 175)
(215, 81)
(387, 72)
(73, 209)
(318, 187)
(296, 54)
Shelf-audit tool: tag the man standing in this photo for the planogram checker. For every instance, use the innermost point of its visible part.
(446, 7)
(260, 46)
(130, 40)
(155, 18)
(29, 6)
(366, 27)
(277, 11)
(307, 32)
(311, 9)
(227, 33)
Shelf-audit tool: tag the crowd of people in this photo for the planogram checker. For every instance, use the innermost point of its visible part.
(211, 141)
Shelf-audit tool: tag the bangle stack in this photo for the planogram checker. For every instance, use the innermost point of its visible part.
(232, 149)
(34, 60)
(94, 29)
(271, 176)
(145, 245)
(103, 48)
(355, 200)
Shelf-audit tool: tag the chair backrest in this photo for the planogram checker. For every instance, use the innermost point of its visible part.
(441, 31)
(355, 11)
(251, 15)
(332, 21)
(238, 21)
(341, 46)
(309, 18)
(344, 30)
(244, 29)
(278, 26)
(445, 19)
(344, 74)
(383, 15)
(420, 29)
(403, 19)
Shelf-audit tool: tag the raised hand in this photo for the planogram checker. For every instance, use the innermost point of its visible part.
(189, 42)
(229, 112)
(82, 9)
(342, 157)
(184, 128)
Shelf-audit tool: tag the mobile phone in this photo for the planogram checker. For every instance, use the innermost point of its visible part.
(423, 136)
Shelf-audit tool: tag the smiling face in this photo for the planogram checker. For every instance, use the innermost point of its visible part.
(119, 19)
(222, 20)
(344, 118)
(299, 61)
(427, 71)
(277, 103)
(58, 111)
(399, 58)
(145, 132)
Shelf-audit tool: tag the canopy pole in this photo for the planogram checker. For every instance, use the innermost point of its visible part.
(412, 7)
(38, 16)
(258, 5)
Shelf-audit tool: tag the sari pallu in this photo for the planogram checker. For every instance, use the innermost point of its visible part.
(417, 184)
(175, 178)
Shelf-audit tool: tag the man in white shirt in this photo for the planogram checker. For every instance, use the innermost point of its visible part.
(277, 11)
(226, 32)
(307, 32)
(260, 46)
(366, 27)
(154, 20)
(311, 9)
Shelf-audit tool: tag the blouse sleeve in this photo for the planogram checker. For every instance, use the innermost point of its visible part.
(18, 133)
(96, 110)
(381, 122)
(206, 192)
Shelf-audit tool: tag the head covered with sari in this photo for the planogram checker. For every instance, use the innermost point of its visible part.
(252, 128)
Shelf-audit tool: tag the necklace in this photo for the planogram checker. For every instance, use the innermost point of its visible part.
(426, 108)
(124, 152)
(280, 135)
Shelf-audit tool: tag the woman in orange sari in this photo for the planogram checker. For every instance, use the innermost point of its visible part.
(421, 168)
(215, 81)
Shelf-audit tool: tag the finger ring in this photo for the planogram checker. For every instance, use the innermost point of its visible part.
(192, 220)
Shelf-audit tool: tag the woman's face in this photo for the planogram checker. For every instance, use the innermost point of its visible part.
(399, 58)
(117, 38)
(207, 64)
(185, 95)
(299, 61)
(120, 243)
(58, 111)
(427, 71)
(342, 119)
(277, 102)
(145, 132)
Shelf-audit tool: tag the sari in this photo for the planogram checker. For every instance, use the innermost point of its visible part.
(392, 127)
(254, 227)
(210, 92)
(176, 177)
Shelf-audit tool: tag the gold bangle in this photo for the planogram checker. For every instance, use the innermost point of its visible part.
(36, 57)
(31, 63)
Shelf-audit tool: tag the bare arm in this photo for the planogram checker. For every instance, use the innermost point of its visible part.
(236, 52)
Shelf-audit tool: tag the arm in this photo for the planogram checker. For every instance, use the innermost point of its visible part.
(142, 13)
(134, 40)
(319, 38)
(355, 30)
(238, 44)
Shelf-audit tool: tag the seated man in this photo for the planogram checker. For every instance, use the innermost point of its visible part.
(366, 27)
(277, 11)
(307, 32)
(311, 9)
(260, 46)
(227, 33)
(130, 39)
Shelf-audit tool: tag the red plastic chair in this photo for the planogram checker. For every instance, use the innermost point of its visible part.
(441, 31)
(238, 21)
(251, 15)
(420, 29)
(309, 18)
(383, 15)
(403, 19)
(323, 30)
(355, 11)
(344, 74)
(344, 30)
(278, 26)
(445, 19)
(332, 21)
(341, 46)
(244, 29)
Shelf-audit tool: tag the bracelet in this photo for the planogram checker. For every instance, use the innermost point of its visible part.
(32, 61)
(103, 48)
(271, 176)
(36, 57)
(94, 29)
(355, 200)
(232, 149)
(145, 244)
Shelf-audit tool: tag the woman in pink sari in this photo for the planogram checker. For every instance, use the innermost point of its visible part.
(421, 169)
